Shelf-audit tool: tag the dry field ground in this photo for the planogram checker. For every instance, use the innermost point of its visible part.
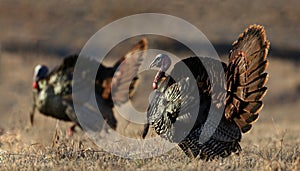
(33, 32)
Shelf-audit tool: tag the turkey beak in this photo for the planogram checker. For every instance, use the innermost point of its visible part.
(154, 63)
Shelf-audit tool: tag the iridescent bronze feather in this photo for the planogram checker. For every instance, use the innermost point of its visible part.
(227, 107)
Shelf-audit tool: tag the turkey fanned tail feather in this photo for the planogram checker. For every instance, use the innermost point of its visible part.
(246, 77)
(222, 116)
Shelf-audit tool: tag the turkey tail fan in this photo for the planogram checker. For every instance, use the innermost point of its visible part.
(141, 46)
(246, 77)
(126, 70)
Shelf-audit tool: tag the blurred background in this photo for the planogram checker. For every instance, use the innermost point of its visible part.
(33, 32)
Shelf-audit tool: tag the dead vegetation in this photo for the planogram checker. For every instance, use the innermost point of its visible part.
(41, 32)
(274, 153)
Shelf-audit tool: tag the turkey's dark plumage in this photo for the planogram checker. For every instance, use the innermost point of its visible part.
(52, 92)
(205, 112)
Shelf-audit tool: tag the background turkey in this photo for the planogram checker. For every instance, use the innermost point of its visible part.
(52, 92)
(229, 104)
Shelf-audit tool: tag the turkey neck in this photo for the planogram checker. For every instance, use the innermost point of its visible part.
(160, 74)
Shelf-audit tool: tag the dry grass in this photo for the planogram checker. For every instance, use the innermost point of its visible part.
(277, 152)
(38, 32)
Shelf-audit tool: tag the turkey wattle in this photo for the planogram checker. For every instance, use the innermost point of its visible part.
(237, 98)
(52, 92)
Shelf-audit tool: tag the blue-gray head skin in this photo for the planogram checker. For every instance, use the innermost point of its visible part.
(163, 62)
(40, 72)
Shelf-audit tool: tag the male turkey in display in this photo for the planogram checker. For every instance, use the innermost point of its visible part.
(206, 120)
(52, 92)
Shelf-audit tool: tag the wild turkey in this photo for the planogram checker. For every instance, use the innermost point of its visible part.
(52, 92)
(210, 127)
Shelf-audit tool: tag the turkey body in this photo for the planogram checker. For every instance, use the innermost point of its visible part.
(52, 92)
(207, 111)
